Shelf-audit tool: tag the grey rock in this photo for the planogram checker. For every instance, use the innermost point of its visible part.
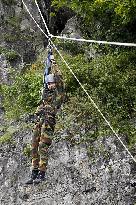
(72, 29)
(4, 69)
(24, 24)
(72, 176)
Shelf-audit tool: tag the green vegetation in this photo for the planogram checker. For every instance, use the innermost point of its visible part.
(3, 128)
(27, 150)
(110, 81)
(7, 137)
(109, 77)
(101, 19)
(13, 21)
(23, 96)
(9, 54)
(10, 38)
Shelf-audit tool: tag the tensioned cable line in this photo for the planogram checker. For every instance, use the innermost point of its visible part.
(94, 104)
(94, 41)
(43, 19)
(35, 20)
(108, 123)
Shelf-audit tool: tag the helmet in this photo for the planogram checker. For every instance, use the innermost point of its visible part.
(50, 78)
(51, 57)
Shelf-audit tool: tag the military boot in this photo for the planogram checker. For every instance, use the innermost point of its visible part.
(40, 177)
(34, 175)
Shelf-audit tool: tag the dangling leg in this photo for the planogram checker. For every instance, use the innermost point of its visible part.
(45, 142)
(35, 145)
(35, 154)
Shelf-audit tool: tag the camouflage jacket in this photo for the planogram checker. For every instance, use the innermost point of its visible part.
(52, 102)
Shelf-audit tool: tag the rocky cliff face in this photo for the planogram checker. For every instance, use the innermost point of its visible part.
(90, 173)
(74, 176)
(21, 41)
(19, 32)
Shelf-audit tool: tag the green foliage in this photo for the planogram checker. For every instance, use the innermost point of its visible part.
(10, 38)
(102, 19)
(13, 21)
(11, 55)
(2, 50)
(27, 150)
(7, 137)
(125, 10)
(52, 14)
(3, 128)
(70, 47)
(22, 96)
(110, 81)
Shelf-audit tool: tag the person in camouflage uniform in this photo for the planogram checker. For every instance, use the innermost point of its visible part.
(52, 98)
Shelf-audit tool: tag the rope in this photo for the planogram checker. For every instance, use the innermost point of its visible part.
(43, 18)
(35, 20)
(94, 41)
(94, 104)
(89, 97)
(87, 92)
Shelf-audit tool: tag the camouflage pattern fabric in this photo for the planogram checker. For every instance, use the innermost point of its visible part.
(42, 139)
(59, 81)
(44, 127)
(42, 136)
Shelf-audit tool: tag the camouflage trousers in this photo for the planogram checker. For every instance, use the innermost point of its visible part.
(41, 140)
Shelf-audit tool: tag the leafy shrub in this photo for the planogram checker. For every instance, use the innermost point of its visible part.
(101, 19)
(7, 137)
(23, 96)
(110, 81)
(13, 21)
(11, 55)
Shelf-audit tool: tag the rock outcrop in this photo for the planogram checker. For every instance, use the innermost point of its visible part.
(79, 173)
(19, 32)
(75, 174)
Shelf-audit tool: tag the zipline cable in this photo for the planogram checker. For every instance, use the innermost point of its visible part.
(34, 20)
(89, 97)
(43, 19)
(94, 41)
